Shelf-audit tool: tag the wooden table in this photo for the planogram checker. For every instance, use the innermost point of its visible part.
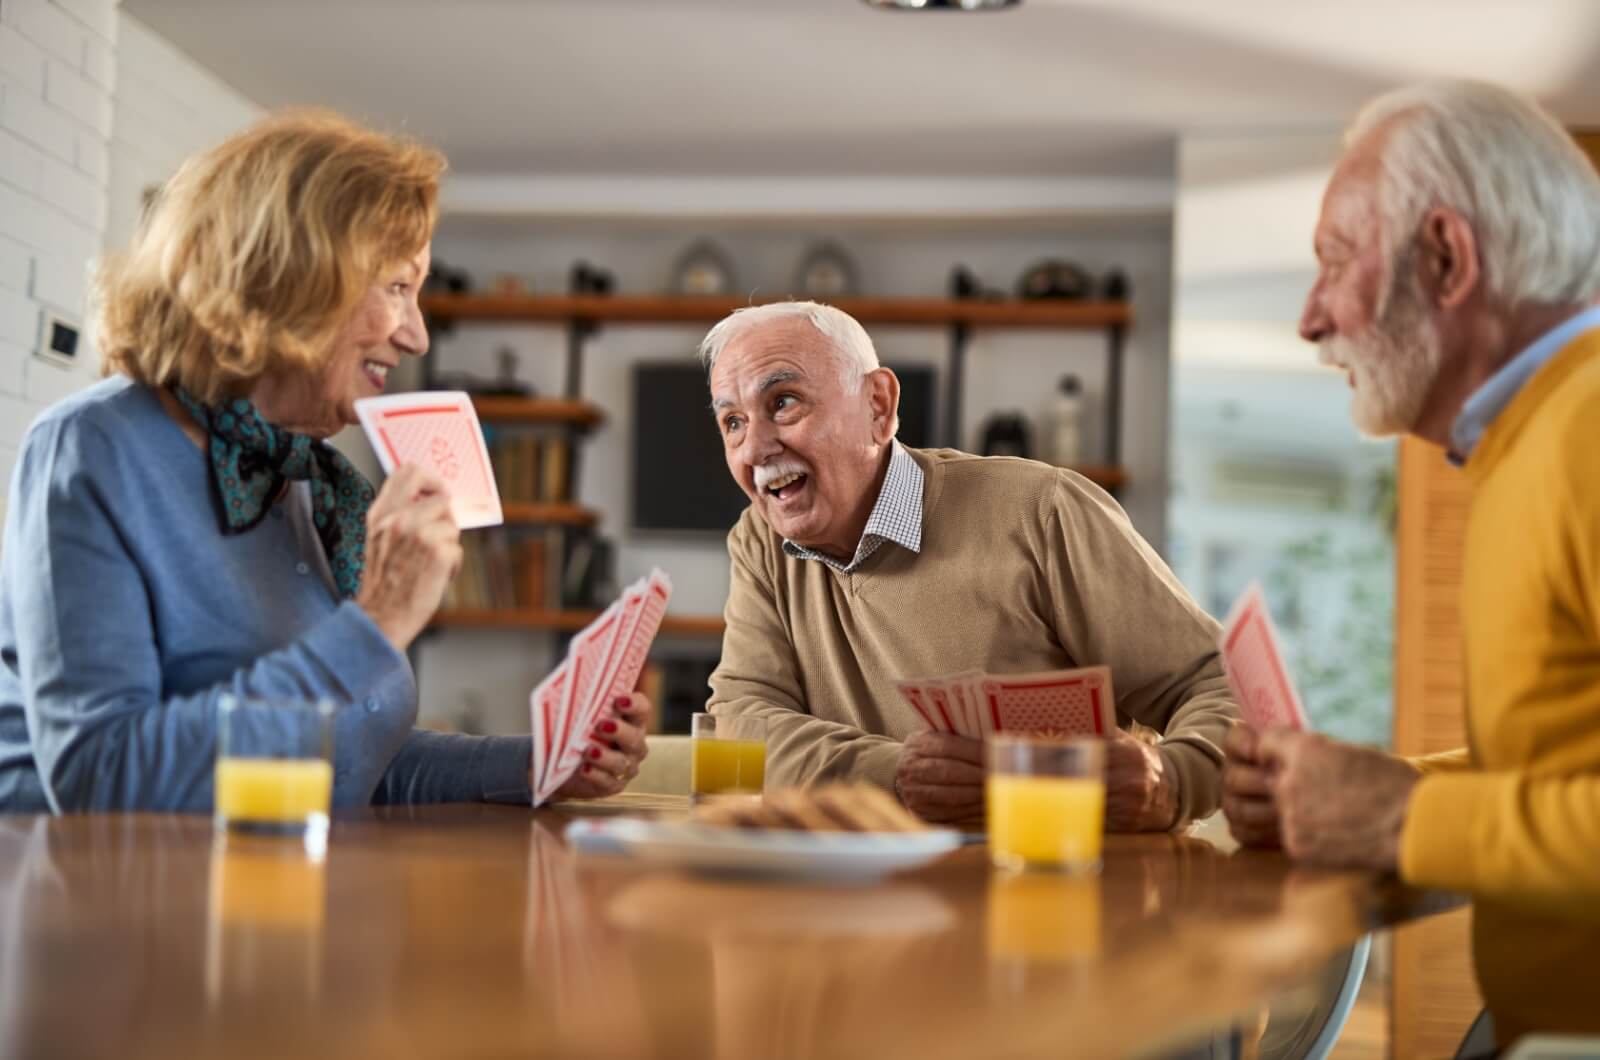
(475, 931)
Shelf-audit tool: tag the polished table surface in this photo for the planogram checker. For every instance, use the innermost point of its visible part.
(476, 931)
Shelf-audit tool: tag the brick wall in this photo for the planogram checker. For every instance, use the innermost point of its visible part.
(94, 108)
(57, 74)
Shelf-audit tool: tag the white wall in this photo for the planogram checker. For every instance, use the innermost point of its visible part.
(165, 109)
(57, 71)
(1005, 370)
(94, 108)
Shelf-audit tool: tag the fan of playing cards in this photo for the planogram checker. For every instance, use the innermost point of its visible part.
(603, 662)
(1254, 663)
(976, 704)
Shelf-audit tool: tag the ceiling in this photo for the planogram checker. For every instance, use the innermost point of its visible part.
(793, 88)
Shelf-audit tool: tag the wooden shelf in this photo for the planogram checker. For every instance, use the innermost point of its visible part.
(537, 410)
(521, 514)
(692, 309)
(565, 621)
(1106, 476)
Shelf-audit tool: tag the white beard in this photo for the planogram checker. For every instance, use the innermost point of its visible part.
(1395, 363)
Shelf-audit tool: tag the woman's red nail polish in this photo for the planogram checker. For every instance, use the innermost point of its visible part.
(594, 752)
(622, 701)
(608, 726)
(586, 767)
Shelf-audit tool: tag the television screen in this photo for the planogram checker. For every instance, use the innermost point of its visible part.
(680, 479)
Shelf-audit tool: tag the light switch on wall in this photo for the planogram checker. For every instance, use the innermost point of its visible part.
(58, 338)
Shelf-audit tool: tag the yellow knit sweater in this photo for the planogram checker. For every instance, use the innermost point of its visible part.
(1520, 829)
(1023, 567)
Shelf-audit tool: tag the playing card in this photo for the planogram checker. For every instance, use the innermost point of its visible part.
(629, 607)
(1058, 703)
(1252, 657)
(920, 695)
(545, 705)
(911, 692)
(655, 592)
(939, 699)
(963, 691)
(437, 429)
(586, 657)
(601, 670)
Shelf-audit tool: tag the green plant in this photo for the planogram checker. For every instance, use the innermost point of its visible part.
(1337, 608)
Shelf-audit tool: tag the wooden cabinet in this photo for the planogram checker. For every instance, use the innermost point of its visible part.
(1435, 994)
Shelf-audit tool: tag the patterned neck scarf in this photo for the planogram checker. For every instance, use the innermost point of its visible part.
(251, 459)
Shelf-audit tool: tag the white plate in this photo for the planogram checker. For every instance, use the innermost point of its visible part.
(844, 857)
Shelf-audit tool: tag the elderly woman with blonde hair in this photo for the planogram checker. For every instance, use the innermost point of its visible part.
(182, 531)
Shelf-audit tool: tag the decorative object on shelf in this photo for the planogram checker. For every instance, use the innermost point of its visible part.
(1054, 278)
(508, 283)
(1006, 434)
(504, 384)
(703, 268)
(1114, 286)
(443, 279)
(964, 284)
(589, 279)
(1065, 423)
(826, 272)
(505, 381)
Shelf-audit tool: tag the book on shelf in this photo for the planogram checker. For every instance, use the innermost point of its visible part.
(529, 469)
(517, 466)
(552, 484)
(499, 571)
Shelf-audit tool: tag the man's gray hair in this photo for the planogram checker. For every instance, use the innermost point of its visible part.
(852, 346)
(1504, 164)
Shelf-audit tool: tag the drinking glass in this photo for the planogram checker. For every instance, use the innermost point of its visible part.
(274, 772)
(1046, 804)
(728, 755)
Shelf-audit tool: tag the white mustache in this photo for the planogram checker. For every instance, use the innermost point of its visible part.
(766, 473)
(1335, 352)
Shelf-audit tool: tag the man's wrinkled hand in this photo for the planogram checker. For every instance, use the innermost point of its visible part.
(1339, 805)
(940, 777)
(1141, 786)
(1248, 799)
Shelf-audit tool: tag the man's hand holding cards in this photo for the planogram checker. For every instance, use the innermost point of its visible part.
(941, 772)
(978, 705)
(1252, 656)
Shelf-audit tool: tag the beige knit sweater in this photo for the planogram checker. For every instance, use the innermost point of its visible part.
(1024, 567)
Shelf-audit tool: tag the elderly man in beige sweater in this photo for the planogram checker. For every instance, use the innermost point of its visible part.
(861, 561)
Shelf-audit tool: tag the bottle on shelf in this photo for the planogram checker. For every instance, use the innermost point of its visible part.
(1066, 423)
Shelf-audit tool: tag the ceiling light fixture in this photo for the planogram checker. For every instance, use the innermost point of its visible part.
(944, 5)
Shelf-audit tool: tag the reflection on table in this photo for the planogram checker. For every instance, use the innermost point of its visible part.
(477, 929)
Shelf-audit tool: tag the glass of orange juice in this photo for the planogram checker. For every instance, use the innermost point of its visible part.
(275, 768)
(727, 755)
(1046, 804)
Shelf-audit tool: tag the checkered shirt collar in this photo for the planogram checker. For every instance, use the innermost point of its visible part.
(897, 515)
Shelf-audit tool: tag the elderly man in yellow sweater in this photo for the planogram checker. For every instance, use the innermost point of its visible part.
(1459, 254)
(861, 561)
